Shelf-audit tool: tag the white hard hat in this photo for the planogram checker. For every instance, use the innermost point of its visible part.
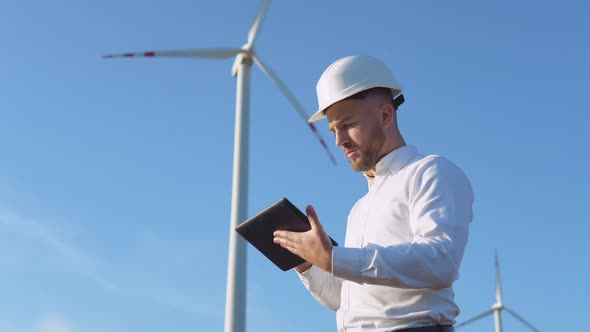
(350, 75)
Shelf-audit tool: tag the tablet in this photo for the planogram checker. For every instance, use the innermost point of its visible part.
(258, 231)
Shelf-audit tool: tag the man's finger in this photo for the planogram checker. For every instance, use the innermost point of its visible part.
(283, 241)
(283, 234)
(286, 244)
(314, 221)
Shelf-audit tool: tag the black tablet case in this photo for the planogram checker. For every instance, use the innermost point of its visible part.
(259, 229)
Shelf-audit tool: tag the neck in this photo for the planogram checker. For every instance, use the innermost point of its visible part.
(394, 144)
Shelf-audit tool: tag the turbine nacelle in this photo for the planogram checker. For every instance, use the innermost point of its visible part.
(498, 306)
(246, 55)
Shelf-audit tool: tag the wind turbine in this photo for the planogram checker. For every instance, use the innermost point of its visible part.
(235, 306)
(498, 307)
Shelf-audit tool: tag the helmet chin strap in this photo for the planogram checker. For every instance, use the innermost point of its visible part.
(397, 101)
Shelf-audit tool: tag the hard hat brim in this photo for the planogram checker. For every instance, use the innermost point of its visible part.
(321, 113)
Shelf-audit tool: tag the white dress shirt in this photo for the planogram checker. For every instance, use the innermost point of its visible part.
(404, 244)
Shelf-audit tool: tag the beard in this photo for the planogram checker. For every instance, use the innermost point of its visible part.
(367, 155)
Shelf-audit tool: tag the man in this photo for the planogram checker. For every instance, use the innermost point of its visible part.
(405, 238)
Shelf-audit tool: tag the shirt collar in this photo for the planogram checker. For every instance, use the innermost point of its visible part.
(394, 161)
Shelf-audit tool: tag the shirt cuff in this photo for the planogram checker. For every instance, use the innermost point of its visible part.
(347, 263)
(308, 276)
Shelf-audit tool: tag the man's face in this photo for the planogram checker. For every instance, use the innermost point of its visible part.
(356, 126)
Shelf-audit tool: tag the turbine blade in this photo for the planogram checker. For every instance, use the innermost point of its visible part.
(215, 53)
(473, 319)
(521, 319)
(498, 282)
(253, 33)
(300, 110)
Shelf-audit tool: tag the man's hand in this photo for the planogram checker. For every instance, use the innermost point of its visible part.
(314, 245)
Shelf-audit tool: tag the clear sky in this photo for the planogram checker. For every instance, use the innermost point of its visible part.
(115, 175)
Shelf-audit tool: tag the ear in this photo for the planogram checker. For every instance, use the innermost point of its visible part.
(387, 113)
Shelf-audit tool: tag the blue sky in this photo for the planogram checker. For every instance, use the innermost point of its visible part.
(115, 175)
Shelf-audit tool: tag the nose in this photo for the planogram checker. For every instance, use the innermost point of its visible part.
(342, 138)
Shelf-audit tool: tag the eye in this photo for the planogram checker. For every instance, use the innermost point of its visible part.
(349, 125)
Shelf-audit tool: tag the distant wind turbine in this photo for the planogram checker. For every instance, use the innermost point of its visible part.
(235, 306)
(498, 307)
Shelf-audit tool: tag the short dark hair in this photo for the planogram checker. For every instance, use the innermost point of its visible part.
(395, 102)
(385, 91)
(363, 94)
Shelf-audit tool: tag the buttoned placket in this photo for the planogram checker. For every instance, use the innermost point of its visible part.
(374, 185)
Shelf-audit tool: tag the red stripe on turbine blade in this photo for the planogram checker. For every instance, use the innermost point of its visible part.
(128, 55)
(149, 54)
(312, 126)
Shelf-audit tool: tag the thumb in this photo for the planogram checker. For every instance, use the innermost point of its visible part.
(314, 221)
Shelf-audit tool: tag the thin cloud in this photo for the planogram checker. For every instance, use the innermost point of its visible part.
(70, 256)
(78, 262)
(54, 324)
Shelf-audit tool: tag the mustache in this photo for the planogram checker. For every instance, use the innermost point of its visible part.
(349, 148)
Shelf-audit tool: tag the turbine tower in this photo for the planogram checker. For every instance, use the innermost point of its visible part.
(235, 306)
(498, 307)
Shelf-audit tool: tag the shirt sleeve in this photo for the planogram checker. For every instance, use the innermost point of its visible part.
(440, 200)
(323, 286)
